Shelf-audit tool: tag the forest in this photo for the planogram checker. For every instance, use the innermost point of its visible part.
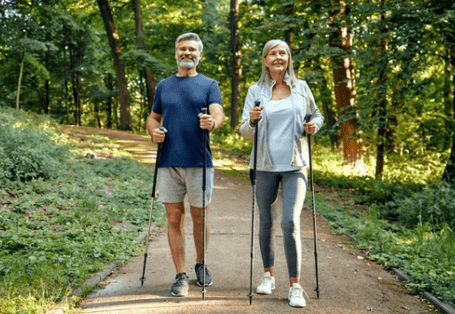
(382, 73)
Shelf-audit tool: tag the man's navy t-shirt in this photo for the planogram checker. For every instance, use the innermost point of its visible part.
(179, 100)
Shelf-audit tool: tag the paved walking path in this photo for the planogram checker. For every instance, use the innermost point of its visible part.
(348, 284)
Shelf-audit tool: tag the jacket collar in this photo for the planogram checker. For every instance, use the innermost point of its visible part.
(267, 91)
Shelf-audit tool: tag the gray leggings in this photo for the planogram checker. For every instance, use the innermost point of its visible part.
(293, 186)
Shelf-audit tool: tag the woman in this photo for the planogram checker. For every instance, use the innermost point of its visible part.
(282, 158)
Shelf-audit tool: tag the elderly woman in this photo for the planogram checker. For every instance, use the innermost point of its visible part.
(282, 157)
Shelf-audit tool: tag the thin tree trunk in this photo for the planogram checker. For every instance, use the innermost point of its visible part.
(122, 87)
(75, 55)
(449, 171)
(382, 83)
(109, 85)
(21, 71)
(289, 33)
(47, 87)
(345, 89)
(146, 72)
(236, 71)
(19, 83)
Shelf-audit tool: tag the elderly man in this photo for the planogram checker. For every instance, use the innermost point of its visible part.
(178, 104)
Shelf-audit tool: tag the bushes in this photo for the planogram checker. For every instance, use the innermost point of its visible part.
(26, 154)
(433, 203)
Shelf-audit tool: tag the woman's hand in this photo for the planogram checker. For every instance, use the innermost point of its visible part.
(310, 127)
(255, 114)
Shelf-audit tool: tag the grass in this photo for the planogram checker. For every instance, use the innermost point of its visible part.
(55, 232)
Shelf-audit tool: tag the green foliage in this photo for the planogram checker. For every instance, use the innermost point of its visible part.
(27, 155)
(55, 231)
(422, 252)
(430, 204)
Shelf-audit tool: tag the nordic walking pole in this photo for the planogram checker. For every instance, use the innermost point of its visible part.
(204, 218)
(253, 182)
(307, 119)
(158, 152)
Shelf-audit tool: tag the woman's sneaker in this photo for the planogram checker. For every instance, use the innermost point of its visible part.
(267, 284)
(180, 286)
(295, 296)
(199, 271)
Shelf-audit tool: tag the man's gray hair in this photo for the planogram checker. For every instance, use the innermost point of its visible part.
(265, 79)
(190, 36)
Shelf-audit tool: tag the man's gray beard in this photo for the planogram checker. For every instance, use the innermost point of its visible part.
(189, 64)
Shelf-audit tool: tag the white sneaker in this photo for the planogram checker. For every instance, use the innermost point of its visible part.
(295, 296)
(267, 284)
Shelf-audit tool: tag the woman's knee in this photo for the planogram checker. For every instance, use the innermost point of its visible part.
(289, 226)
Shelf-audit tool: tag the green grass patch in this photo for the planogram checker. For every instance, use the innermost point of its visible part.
(59, 226)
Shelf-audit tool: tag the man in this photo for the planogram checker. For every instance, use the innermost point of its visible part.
(178, 103)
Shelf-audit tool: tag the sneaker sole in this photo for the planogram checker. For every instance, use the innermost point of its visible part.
(207, 284)
(297, 305)
(265, 293)
(179, 295)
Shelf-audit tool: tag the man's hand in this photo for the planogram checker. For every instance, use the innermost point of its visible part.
(310, 128)
(206, 121)
(158, 135)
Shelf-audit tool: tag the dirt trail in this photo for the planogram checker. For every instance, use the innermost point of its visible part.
(348, 283)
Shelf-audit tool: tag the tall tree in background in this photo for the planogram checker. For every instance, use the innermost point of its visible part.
(146, 72)
(122, 87)
(236, 71)
(75, 57)
(382, 106)
(21, 71)
(343, 77)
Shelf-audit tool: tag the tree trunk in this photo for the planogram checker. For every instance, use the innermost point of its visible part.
(75, 56)
(21, 71)
(449, 171)
(289, 33)
(236, 71)
(47, 87)
(108, 81)
(122, 87)
(146, 72)
(345, 89)
(382, 82)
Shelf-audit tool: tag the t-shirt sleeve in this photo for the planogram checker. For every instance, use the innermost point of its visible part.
(214, 94)
(157, 107)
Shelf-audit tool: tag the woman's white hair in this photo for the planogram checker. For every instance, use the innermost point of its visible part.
(190, 36)
(265, 79)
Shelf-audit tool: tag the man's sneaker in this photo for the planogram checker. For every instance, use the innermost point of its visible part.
(295, 296)
(267, 284)
(199, 271)
(180, 286)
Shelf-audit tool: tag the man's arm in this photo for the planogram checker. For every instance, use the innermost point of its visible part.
(217, 113)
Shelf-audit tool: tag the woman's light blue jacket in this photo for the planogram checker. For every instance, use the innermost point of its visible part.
(303, 103)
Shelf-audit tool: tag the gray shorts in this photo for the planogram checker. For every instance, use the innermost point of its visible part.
(175, 183)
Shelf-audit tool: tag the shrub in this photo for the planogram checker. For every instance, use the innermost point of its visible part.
(27, 154)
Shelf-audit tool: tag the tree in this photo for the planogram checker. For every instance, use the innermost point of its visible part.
(146, 71)
(236, 71)
(122, 87)
(344, 82)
